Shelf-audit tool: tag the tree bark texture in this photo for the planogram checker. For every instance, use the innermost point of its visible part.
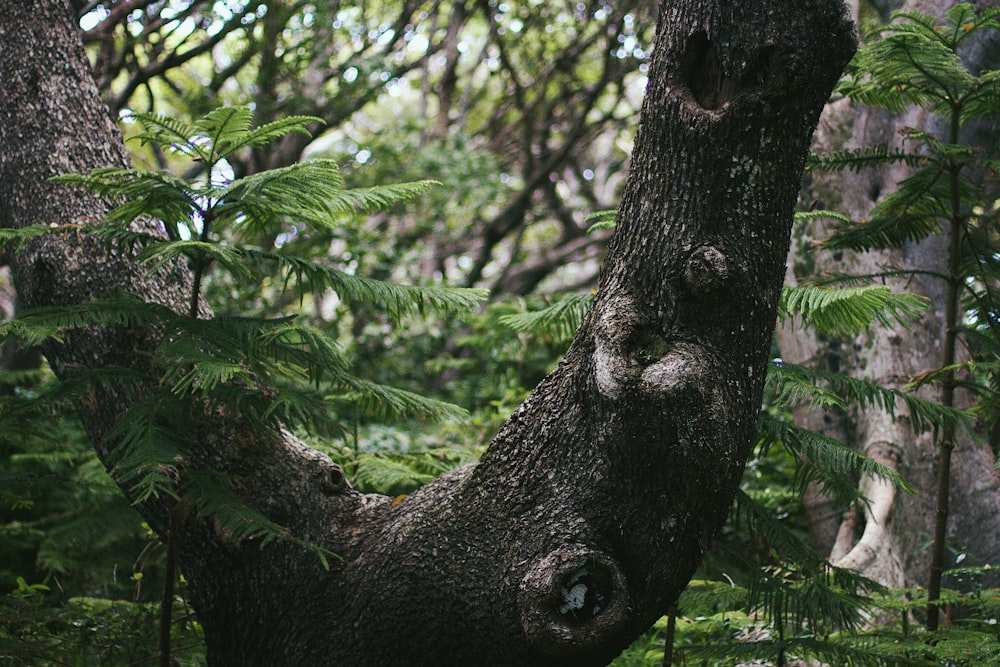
(594, 504)
(887, 540)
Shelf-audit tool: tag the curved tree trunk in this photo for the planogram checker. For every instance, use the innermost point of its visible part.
(611, 478)
(888, 540)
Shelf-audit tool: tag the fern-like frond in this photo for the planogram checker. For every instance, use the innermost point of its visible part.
(601, 220)
(826, 460)
(984, 100)
(831, 462)
(218, 134)
(149, 437)
(856, 159)
(309, 192)
(558, 321)
(914, 60)
(380, 401)
(232, 260)
(304, 275)
(959, 23)
(230, 129)
(909, 214)
(940, 152)
(134, 193)
(222, 127)
(199, 356)
(821, 214)
(924, 414)
(761, 521)
(204, 372)
(172, 133)
(290, 342)
(703, 596)
(13, 237)
(378, 473)
(265, 134)
(791, 385)
(238, 521)
(39, 325)
(907, 67)
(811, 588)
(397, 300)
(857, 651)
(850, 310)
(381, 197)
(968, 374)
(883, 232)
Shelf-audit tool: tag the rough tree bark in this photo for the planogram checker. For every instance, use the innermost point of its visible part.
(887, 540)
(616, 471)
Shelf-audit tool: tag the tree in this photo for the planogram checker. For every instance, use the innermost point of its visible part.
(886, 539)
(590, 510)
(546, 94)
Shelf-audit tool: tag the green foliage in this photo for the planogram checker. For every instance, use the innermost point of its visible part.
(88, 631)
(601, 220)
(850, 309)
(841, 311)
(558, 321)
(792, 384)
(67, 528)
(854, 159)
(280, 372)
(914, 61)
(276, 371)
(394, 473)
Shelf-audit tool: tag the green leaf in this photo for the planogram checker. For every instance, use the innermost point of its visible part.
(170, 132)
(381, 401)
(559, 321)
(210, 495)
(383, 474)
(825, 460)
(149, 438)
(856, 159)
(397, 300)
(310, 192)
(601, 220)
(790, 383)
(159, 253)
(850, 310)
(39, 325)
(136, 193)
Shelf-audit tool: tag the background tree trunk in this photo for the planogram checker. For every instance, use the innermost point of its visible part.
(889, 541)
(593, 506)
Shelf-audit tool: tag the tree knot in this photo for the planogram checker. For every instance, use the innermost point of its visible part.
(714, 80)
(572, 599)
(706, 270)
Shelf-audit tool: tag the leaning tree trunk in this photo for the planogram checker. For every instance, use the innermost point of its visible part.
(612, 477)
(887, 539)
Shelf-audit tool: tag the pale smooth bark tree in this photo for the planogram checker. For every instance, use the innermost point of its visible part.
(888, 539)
(611, 478)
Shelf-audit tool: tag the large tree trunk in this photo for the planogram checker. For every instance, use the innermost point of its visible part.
(888, 539)
(613, 475)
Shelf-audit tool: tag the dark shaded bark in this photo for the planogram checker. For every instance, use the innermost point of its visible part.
(610, 479)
